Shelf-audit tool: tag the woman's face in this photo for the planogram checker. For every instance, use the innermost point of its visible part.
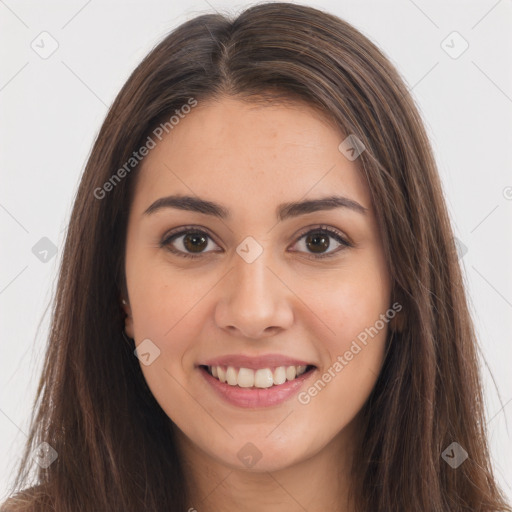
(256, 295)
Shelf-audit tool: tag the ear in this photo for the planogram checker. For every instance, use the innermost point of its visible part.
(128, 322)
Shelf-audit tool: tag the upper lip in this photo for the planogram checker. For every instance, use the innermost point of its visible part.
(255, 362)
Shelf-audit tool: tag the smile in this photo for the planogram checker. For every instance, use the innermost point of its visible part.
(259, 378)
(258, 386)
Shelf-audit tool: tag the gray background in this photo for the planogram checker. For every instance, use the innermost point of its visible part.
(52, 108)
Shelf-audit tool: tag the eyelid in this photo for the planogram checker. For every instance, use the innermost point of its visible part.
(324, 227)
(335, 233)
(183, 230)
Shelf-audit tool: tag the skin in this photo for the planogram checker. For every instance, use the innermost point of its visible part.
(251, 158)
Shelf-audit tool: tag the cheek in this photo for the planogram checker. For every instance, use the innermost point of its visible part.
(165, 311)
(351, 364)
(348, 303)
(356, 311)
(162, 297)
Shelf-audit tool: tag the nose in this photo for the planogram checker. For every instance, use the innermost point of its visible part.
(254, 301)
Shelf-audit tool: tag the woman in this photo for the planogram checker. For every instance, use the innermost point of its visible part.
(260, 303)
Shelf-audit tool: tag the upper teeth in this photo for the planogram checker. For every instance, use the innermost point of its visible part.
(262, 378)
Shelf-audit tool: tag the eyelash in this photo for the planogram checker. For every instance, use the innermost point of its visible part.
(170, 237)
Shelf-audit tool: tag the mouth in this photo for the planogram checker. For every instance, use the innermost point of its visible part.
(259, 378)
(255, 388)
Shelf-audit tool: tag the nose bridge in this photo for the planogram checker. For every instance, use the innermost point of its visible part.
(252, 279)
(253, 298)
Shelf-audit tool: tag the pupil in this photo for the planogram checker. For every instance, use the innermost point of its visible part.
(194, 237)
(317, 238)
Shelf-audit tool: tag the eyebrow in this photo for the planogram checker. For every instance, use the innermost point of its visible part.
(284, 211)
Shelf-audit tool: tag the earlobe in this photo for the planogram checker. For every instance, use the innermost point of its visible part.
(128, 321)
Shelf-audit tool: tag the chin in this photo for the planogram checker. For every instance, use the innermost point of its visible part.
(260, 453)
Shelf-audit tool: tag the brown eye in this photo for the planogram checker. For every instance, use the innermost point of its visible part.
(195, 242)
(191, 243)
(317, 242)
(187, 243)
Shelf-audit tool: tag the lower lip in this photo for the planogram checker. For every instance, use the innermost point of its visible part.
(256, 397)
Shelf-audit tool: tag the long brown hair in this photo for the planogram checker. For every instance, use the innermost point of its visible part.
(115, 448)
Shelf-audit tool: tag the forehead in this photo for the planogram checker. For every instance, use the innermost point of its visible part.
(249, 154)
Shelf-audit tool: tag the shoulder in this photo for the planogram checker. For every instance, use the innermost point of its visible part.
(27, 500)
